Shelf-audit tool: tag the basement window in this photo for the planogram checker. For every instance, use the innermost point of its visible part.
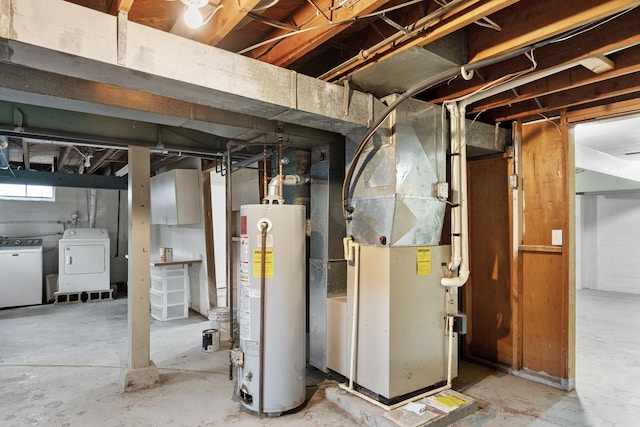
(43, 193)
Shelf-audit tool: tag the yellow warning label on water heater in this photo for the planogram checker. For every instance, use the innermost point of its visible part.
(423, 260)
(268, 263)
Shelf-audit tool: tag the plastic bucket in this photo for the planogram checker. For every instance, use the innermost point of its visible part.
(220, 319)
(210, 340)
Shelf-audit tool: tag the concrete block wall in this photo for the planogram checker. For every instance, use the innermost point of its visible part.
(609, 241)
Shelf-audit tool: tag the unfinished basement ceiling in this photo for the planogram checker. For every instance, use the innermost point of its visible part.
(373, 46)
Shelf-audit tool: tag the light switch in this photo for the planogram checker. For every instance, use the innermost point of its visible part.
(556, 237)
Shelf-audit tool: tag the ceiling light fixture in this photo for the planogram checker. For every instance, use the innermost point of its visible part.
(193, 17)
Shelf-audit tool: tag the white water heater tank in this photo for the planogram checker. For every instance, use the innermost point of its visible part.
(283, 353)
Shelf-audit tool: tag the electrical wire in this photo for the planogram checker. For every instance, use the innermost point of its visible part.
(316, 27)
(589, 27)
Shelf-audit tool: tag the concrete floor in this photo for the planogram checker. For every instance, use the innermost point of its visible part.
(60, 366)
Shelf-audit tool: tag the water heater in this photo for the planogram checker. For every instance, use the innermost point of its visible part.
(271, 307)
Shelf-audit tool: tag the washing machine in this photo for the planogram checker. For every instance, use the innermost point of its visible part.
(83, 262)
(21, 272)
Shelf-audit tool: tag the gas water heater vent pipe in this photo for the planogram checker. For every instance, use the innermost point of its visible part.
(459, 214)
(276, 183)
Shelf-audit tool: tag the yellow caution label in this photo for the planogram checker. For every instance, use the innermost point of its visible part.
(423, 260)
(268, 263)
(451, 401)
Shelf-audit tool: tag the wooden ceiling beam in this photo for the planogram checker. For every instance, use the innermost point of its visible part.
(120, 5)
(290, 49)
(615, 35)
(65, 158)
(600, 91)
(531, 21)
(99, 160)
(625, 62)
(224, 20)
(25, 155)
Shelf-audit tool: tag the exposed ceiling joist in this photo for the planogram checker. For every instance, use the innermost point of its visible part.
(531, 21)
(626, 62)
(224, 20)
(613, 36)
(25, 155)
(426, 30)
(120, 5)
(604, 90)
(327, 25)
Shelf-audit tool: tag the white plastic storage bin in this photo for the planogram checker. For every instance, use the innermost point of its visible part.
(169, 293)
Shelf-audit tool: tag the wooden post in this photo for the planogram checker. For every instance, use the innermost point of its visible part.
(140, 371)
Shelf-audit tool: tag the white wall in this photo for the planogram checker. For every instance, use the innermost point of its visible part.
(246, 191)
(187, 241)
(48, 220)
(609, 241)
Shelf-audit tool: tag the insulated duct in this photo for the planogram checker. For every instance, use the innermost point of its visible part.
(4, 152)
(93, 207)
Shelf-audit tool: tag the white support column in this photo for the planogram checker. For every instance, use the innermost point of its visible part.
(140, 371)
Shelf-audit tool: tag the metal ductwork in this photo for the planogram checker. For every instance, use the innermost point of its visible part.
(4, 152)
(399, 194)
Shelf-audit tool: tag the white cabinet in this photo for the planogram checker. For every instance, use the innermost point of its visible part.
(175, 197)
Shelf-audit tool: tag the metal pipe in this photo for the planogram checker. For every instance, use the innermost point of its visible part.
(229, 257)
(280, 173)
(48, 136)
(93, 207)
(246, 162)
(263, 256)
(264, 171)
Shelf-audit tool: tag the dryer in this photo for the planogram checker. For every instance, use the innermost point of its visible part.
(84, 260)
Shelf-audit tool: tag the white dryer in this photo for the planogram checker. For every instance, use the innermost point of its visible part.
(84, 260)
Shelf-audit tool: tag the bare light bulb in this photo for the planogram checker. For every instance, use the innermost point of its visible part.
(192, 17)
